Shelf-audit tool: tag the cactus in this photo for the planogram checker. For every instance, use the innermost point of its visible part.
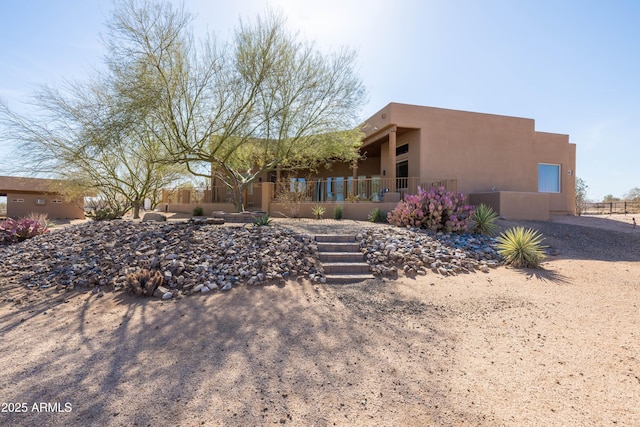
(143, 282)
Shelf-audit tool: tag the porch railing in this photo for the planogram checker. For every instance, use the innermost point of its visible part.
(341, 189)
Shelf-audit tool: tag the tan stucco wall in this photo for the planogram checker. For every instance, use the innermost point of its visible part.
(355, 211)
(207, 208)
(480, 151)
(64, 210)
(515, 205)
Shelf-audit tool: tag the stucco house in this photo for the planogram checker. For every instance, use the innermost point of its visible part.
(26, 195)
(498, 160)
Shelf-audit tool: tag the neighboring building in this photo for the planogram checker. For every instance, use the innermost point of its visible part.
(27, 195)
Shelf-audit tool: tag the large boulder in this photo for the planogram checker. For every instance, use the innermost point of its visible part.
(153, 216)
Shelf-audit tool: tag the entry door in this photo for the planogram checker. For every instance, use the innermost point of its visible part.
(402, 175)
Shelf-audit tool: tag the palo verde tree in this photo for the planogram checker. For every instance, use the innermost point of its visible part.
(103, 135)
(263, 100)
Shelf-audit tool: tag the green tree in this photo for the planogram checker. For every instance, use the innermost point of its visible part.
(84, 133)
(236, 110)
(581, 195)
(610, 198)
(633, 194)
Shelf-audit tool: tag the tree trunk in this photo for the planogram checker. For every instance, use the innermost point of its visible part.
(136, 209)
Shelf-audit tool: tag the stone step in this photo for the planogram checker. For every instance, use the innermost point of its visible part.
(345, 267)
(338, 247)
(335, 238)
(347, 278)
(341, 257)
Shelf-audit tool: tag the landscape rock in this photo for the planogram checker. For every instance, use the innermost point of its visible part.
(199, 257)
(153, 216)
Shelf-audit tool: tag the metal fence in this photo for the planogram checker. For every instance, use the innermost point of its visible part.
(608, 208)
(349, 189)
(220, 194)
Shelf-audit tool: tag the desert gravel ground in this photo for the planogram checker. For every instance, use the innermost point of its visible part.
(556, 346)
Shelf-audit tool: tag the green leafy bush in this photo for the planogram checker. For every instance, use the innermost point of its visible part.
(198, 211)
(14, 231)
(337, 212)
(104, 214)
(521, 248)
(263, 220)
(436, 209)
(317, 211)
(376, 215)
(484, 219)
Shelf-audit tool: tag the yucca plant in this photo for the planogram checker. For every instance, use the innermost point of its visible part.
(521, 248)
(484, 219)
(317, 211)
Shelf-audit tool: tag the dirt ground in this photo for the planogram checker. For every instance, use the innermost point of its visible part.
(556, 346)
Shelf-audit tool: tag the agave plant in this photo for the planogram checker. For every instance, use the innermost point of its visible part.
(521, 248)
(317, 211)
(263, 220)
(484, 219)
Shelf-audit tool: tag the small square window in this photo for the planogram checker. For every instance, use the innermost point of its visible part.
(548, 178)
(41, 202)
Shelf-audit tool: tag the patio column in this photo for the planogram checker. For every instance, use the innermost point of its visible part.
(391, 168)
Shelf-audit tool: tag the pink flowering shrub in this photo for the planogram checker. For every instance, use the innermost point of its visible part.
(436, 209)
(13, 231)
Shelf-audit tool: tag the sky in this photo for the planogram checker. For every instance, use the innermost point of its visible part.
(572, 66)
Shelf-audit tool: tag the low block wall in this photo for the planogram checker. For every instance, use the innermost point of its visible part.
(515, 204)
(356, 211)
(207, 208)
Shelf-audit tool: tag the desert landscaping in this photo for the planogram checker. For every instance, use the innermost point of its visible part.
(558, 345)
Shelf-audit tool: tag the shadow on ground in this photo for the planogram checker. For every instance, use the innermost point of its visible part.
(294, 354)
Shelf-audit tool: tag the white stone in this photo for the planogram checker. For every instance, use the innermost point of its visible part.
(167, 295)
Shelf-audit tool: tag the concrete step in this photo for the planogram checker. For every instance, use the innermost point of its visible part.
(335, 238)
(345, 267)
(347, 278)
(338, 247)
(341, 257)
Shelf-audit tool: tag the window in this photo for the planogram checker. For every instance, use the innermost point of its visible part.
(548, 178)
(41, 202)
(402, 149)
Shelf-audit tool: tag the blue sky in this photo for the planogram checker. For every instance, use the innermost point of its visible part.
(572, 66)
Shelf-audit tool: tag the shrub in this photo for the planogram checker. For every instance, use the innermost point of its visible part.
(376, 215)
(436, 209)
(484, 219)
(13, 231)
(337, 212)
(521, 248)
(104, 214)
(317, 211)
(143, 282)
(41, 217)
(263, 220)
(198, 211)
